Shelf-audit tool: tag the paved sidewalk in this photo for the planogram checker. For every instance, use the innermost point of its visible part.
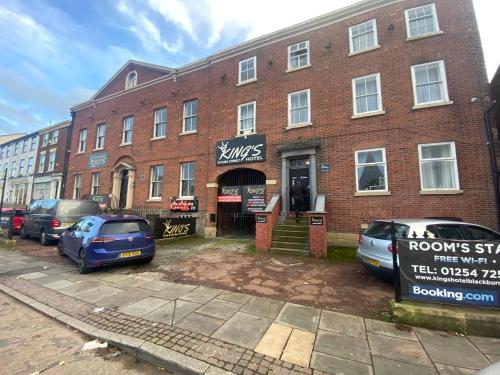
(206, 330)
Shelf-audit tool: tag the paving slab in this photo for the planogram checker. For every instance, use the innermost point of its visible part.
(385, 366)
(274, 340)
(129, 283)
(82, 286)
(156, 285)
(338, 366)
(201, 295)
(33, 275)
(183, 308)
(487, 345)
(243, 329)
(390, 329)
(452, 370)
(398, 349)
(144, 306)
(59, 284)
(342, 346)
(175, 291)
(263, 307)
(298, 316)
(219, 308)
(163, 314)
(341, 323)
(47, 279)
(235, 297)
(199, 323)
(299, 348)
(124, 299)
(111, 277)
(98, 294)
(449, 349)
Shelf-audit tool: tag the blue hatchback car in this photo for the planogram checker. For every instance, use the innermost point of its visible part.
(95, 241)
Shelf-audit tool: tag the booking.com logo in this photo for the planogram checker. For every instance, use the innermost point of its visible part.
(445, 294)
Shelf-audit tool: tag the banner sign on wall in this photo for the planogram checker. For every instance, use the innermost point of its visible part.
(175, 227)
(241, 150)
(229, 194)
(254, 198)
(98, 160)
(457, 272)
(184, 205)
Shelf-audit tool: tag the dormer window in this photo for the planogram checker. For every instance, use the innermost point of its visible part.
(131, 80)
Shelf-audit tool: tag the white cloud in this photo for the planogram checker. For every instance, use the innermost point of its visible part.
(176, 12)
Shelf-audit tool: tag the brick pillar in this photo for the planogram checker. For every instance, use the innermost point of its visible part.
(317, 234)
(264, 224)
(211, 227)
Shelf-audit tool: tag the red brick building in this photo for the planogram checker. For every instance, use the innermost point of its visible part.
(378, 105)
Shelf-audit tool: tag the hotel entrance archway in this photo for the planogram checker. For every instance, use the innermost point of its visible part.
(234, 217)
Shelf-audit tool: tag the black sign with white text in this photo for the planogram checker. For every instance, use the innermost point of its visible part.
(241, 150)
(456, 272)
(172, 227)
(254, 198)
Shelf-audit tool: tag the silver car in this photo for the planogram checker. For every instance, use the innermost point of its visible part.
(375, 246)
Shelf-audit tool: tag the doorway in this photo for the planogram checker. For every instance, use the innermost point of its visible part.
(122, 201)
(300, 171)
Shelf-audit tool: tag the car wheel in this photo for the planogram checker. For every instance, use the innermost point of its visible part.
(60, 249)
(44, 239)
(82, 262)
(23, 233)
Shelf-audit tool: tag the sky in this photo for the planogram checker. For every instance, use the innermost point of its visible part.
(58, 53)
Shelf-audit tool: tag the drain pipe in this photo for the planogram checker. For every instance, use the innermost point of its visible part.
(494, 168)
(66, 156)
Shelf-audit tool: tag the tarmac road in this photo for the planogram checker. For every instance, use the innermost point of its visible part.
(31, 343)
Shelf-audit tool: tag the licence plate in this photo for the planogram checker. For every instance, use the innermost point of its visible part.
(66, 225)
(371, 261)
(129, 254)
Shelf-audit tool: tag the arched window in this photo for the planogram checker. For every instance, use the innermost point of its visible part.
(131, 80)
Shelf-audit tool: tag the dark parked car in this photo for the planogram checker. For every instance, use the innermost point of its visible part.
(48, 218)
(18, 218)
(96, 241)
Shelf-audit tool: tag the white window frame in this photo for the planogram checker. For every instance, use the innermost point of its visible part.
(290, 125)
(254, 78)
(384, 162)
(442, 71)
(152, 181)
(52, 163)
(17, 147)
(13, 169)
(45, 139)
(31, 165)
(131, 130)
(82, 141)
(240, 106)
(77, 186)
(184, 117)
(128, 84)
(307, 64)
(41, 163)
(22, 165)
(54, 137)
(375, 38)
(453, 157)
(156, 123)
(379, 95)
(182, 179)
(95, 184)
(100, 140)
(25, 145)
(33, 143)
(436, 22)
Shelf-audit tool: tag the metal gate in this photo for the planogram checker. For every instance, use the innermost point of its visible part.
(230, 219)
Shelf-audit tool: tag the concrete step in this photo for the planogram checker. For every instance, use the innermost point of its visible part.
(288, 251)
(303, 222)
(291, 233)
(297, 228)
(290, 245)
(290, 237)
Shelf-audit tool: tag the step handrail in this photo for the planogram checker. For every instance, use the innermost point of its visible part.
(272, 203)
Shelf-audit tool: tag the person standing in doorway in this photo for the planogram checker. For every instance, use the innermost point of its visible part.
(297, 192)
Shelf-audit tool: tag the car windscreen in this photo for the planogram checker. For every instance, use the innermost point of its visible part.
(124, 227)
(20, 212)
(77, 208)
(382, 230)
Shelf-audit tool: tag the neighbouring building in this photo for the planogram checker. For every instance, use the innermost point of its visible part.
(379, 106)
(9, 137)
(17, 161)
(50, 166)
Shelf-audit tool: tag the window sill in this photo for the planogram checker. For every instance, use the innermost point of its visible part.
(125, 144)
(98, 149)
(290, 70)
(246, 82)
(298, 126)
(364, 51)
(153, 200)
(441, 192)
(158, 138)
(80, 153)
(430, 105)
(371, 193)
(190, 132)
(245, 135)
(368, 114)
(412, 38)
(188, 198)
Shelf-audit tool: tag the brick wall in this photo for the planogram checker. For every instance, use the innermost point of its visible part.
(60, 152)
(399, 130)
